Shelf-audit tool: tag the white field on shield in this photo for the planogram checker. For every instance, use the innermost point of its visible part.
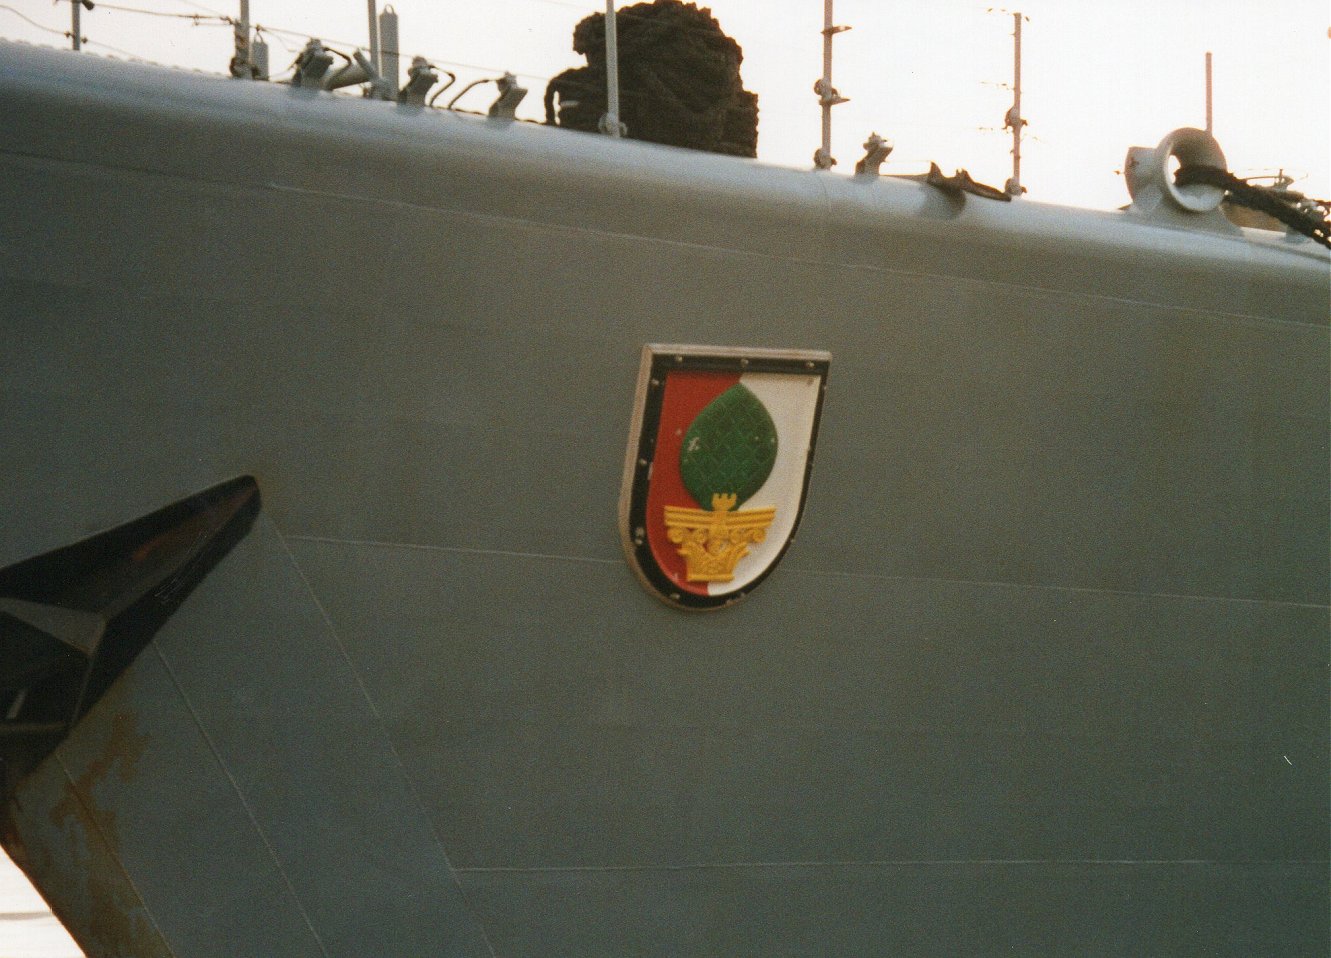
(792, 402)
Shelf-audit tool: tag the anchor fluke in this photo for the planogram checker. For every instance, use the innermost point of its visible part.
(71, 620)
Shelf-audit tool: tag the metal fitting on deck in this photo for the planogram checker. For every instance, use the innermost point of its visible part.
(1155, 194)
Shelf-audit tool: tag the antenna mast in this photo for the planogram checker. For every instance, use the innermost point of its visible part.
(1209, 128)
(250, 61)
(240, 63)
(610, 124)
(1014, 120)
(376, 57)
(827, 94)
(76, 24)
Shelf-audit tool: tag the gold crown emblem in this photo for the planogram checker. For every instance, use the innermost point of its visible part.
(712, 542)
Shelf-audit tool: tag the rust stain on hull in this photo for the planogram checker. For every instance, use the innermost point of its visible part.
(112, 920)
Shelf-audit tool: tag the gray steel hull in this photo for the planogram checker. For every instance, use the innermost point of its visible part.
(1044, 673)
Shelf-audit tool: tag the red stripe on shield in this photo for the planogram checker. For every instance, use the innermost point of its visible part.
(686, 394)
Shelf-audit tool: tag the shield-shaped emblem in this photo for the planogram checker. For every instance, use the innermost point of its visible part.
(718, 464)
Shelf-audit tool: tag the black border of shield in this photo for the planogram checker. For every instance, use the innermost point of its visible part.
(733, 361)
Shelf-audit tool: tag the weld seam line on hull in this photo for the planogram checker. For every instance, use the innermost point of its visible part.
(461, 550)
(102, 837)
(244, 803)
(985, 282)
(392, 746)
(890, 863)
(868, 576)
(807, 261)
(538, 226)
(1124, 593)
(784, 258)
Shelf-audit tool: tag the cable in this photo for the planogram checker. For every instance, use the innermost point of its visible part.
(67, 34)
(463, 92)
(329, 42)
(199, 6)
(262, 33)
(199, 19)
(107, 46)
(196, 17)
(39, 26)
(1263, 199)
(580, 7)
(452, 78)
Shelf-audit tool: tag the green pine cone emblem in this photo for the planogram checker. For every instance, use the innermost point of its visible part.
(729, 449)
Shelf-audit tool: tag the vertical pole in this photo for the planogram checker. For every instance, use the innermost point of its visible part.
(244, 57)
(389, 50)
(1016, 105)
(610, 122)
(1014, 120)
(827, 94)
(76, 28)
(827, 86)
(375, 56)
(1209, 127)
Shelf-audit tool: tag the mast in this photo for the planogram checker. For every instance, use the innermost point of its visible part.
(610, 124)
(1209, 126)
(76, 22)
(242, 59)
(1014, 120)
(827, 94)
(376, 59)
(250, 61)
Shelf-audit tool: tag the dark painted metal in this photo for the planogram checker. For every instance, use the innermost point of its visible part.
(72, 619)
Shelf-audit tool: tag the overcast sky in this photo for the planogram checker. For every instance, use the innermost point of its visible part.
(1099, 75)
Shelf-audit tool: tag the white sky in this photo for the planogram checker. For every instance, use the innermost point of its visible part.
(27, 929)
(1099, 75)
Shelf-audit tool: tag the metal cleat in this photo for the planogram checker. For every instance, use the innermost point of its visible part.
(311, 65)
(510, 95)
(420, 78)
(876, 152)
(360, 71)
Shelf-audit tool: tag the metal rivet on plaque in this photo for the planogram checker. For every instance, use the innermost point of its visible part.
(679, 359)
(808, 364)
(655, 383)
(743, 362)
(674, 596)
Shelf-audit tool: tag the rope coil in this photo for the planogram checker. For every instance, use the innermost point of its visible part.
(678, 75)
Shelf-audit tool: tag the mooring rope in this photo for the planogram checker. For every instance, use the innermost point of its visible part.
(1306, 217)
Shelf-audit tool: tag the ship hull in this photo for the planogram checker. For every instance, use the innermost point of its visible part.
(1044, 672)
